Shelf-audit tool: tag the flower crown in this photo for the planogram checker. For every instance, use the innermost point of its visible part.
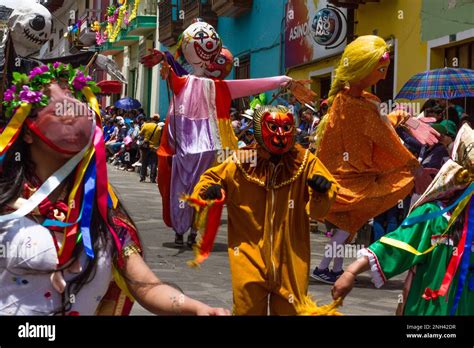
(29, 88)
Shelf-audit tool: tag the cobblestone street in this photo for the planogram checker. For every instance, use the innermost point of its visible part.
(211, 283)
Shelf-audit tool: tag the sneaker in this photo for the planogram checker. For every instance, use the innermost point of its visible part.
(323, 275)
(178, 240)
(137, 164)
(142, 179)
(337, 274)
(191, 239)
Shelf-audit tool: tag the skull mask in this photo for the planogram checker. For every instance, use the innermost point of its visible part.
(200, 46)
(222, 66)
(30, 27)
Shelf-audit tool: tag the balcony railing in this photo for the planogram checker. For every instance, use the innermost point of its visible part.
(198, 9)
(170, 25)
(231, 8)
(86, 36)
(148, 8)
(145, 21)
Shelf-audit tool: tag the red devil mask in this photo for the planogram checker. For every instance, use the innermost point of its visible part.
(222, 66)
(275, 129)
(65, 124)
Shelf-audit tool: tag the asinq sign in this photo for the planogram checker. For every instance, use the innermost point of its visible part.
(327, 27)
(313, 32)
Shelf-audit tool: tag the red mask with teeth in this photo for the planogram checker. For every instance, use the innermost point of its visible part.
(222, 66)
(278, 131)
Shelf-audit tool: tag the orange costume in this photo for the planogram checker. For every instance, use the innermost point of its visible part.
(361, 149)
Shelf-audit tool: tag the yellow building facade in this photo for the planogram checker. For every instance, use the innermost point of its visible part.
(398, 22)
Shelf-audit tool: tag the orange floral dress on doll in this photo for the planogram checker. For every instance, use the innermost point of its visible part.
(361, 149)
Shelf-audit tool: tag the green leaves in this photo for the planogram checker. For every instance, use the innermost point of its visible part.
(29, 88)
(93, 87)
(19, 79)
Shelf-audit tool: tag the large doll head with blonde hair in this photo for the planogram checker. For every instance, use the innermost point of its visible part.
(364, 62)
(359, 60)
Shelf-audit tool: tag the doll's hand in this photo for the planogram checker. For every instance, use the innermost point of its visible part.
(165, 70)
(422, 131)
(343, 286)
(213, 192)
(302, 93)
(319, 183)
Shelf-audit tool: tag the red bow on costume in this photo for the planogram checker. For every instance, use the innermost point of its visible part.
(54, 211)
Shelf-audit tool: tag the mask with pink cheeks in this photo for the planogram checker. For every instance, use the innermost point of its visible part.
(65, 124)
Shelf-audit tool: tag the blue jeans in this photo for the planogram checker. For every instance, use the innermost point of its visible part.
(385, 223)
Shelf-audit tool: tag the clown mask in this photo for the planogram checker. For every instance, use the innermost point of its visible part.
(65, 125)
(200, 46)
(275, 129)
(222, 66)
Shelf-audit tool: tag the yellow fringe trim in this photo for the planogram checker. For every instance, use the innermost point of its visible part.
(309, 307)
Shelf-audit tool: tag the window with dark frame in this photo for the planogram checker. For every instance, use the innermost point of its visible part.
(461, 56)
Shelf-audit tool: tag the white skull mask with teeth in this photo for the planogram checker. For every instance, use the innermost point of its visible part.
(200, 46)
(30, 27)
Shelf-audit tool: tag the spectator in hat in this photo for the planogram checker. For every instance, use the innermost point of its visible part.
(452, 131)
(433, 157)
(247, 138)
(436, 155)
(151, 134)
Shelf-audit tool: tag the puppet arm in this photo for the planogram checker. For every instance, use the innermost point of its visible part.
(417, 127)
(243, 88)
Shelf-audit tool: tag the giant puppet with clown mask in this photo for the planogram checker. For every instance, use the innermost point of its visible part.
(271, 189)
(198, 124)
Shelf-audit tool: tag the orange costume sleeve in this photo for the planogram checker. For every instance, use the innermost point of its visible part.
(363, 152)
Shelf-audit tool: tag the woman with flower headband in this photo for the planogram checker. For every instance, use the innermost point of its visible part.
(360, 147)
(70, 247)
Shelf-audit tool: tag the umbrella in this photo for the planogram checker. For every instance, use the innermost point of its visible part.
(446, 83)
(127, 103)
(110, 87)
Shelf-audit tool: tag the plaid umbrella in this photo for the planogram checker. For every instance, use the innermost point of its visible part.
(446, 83)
